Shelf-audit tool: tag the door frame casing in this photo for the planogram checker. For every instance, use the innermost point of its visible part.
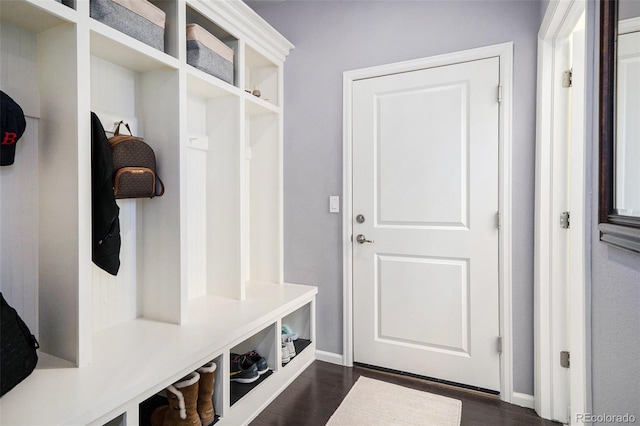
(503, 51)
(558, 24)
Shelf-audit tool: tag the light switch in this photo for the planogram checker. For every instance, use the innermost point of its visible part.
(334, 204)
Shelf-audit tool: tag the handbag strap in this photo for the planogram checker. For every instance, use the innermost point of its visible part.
(162, 185)
(117, 132)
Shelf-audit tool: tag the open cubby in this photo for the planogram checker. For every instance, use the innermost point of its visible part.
(300, 322)
(40, 229)
(149, 282)
(112, 36)
(201, 271)
(149, 405)
(263, 342)
(262, 73)
(263, 167)
(195, 17)
(213, 176)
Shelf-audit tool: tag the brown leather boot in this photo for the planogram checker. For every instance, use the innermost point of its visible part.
(182, 408)
(205, 393)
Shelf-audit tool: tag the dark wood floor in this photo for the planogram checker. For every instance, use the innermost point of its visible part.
(314, 396)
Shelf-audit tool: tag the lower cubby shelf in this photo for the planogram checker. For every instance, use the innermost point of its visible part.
(301, 344)
(259, 396)
(134, 361)
(238, 390)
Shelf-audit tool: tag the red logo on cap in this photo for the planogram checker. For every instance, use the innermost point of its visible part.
(10, 138)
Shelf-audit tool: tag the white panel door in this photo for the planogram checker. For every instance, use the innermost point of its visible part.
(425, 179)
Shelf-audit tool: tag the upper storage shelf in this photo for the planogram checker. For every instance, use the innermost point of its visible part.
(142, 39)
(36, 16)
(113, 46)
(211, 48)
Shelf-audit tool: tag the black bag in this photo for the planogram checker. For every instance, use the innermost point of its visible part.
(18, 346)
(135, 167)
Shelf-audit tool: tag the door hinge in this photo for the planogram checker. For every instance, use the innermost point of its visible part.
(564, 359)
(498, 219)
(499, 93)
(565, 220)
(567, 78)
(499, 344)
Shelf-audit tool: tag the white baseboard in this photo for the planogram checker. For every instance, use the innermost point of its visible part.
(523, 400)
(330, 357)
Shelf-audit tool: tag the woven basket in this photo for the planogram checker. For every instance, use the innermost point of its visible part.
(207, 53)
(139, 19)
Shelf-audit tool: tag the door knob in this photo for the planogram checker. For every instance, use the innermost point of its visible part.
(362, 239)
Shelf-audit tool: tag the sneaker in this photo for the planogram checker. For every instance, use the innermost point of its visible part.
(289, 344)
(286, 331)
(243, 370)
(258, 360)
(285, 354)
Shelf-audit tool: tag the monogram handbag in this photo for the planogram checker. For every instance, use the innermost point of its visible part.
(18, 346)
(134, 163)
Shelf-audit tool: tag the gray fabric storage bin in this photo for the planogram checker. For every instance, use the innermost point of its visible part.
(137, 18)
(207, 53)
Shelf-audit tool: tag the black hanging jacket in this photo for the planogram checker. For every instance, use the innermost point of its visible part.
(104, 210)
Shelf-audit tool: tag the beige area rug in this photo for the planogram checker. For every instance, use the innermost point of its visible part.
(372, 402)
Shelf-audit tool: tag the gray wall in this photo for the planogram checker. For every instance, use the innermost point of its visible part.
(628, 9)
(544, 4)
(615, 328)
(615, 300)
(335, 36)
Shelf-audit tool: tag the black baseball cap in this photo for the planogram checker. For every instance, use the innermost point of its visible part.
(13, 125)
